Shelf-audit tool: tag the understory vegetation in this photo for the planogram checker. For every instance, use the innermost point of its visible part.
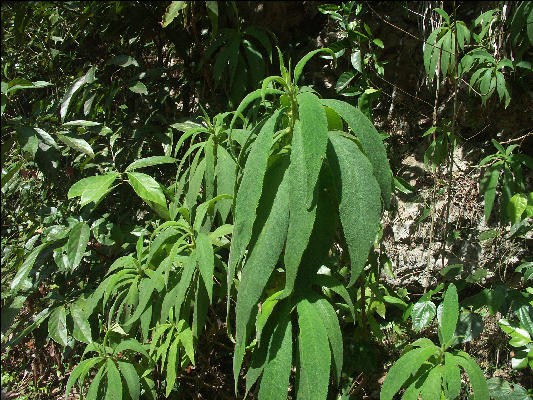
(267, 200)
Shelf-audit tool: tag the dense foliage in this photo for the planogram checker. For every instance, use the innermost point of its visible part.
(190, 207)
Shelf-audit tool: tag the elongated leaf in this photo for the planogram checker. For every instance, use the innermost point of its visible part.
(131, 379)
(277, 371)
(314, 130)
(301, 217)
(77, 243)
(65, 102)
(57, 326)
(114, 381)
(450, 313)
(206, 261)
(451, 377)
(11, 172)
(79, 372)
(329, 318)
(95, 390)
(272, 229)
(26, 267)
(186, 339)
(176, 296)
(147, 188)
(336, 286)
(225, 172)
(477, 379)
(370, 141)
(301, 64)
(172, 12)
(149, 161)
(359, 200)
(248, 196)
(407, 365)
(76, 143)
(314, 354)
(172, 366)
(431, 388)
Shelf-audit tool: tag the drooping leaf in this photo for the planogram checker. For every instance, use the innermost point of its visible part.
(488, 188)
(314, 138)
(26, 267)
(79, 372)
(123, 60)
(271, 230)
(131, 379)
(477, 379)
(359, 199)
(77, 243)
(370, 141)
(82, 329)
(276, 373)
(403, 368)
(431, 387)
(114, 381)
(225, 172)
(172, 366)
(301, 64)
(329, 318)
(248, 195)
(314, 353)
(65, 102)
(301, 216)
(172, 12)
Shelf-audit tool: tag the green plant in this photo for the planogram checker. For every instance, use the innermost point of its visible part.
(521, 340)
(238, 64)
(430, 371)
(514, 202)
(302, 173)
(360, 45)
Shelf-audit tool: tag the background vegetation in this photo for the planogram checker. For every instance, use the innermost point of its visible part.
(230, 199)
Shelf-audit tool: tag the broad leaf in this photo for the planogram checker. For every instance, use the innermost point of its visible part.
(76, 143)
(57, 326)
(370, 141)
(359, 199)
(271, 228)
(422, 314)
(77, 243)
(147, 188)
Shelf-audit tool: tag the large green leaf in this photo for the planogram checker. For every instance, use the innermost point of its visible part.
(329, 318)
(488, 188)
(314, 131)
(131, 379)
(77, 243)
(370, 141)
(450, 313)
(79, 372)
(26, 267)
(206, 261)
(277, 370)
(403, 368)
(172, 366)
(82, 329)
(94, 184)
(57, 325)
(314, 353)
(431, 388)
(270, 231)
(301, 217)
(114, 381)
(248, 195)
(359, 199)
(477, 379)
(147, 188)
